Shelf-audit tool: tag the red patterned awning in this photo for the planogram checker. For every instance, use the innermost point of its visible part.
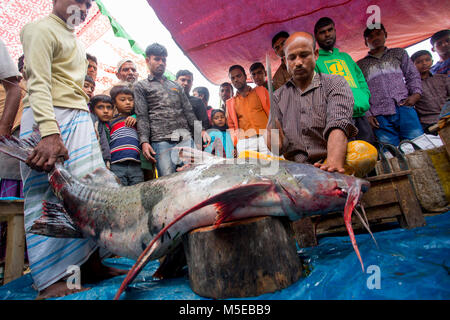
(95, 33)
(14, 14)
(217, 34)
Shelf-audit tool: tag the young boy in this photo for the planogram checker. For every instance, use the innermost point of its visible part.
(221, 144)
(395, 87)
(102, 112)
(89, 86)
(124, 144)
(436, 90)
(441, 44)
(258, 74)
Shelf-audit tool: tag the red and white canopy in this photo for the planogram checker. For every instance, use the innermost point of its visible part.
(216, 34)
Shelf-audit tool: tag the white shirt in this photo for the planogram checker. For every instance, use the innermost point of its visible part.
(7, 67)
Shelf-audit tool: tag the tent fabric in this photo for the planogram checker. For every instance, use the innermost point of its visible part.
(217, 34)
(14, 14)
(96, 34)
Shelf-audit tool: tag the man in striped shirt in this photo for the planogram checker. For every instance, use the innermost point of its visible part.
(313, 112)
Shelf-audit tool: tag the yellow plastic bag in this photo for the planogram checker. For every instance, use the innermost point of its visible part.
(361, 158)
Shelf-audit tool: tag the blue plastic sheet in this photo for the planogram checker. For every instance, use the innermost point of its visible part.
(412, 264)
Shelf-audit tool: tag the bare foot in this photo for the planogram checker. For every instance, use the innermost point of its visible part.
(58, 289)
(92, 271)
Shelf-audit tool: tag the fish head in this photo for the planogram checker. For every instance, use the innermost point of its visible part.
(313, 191)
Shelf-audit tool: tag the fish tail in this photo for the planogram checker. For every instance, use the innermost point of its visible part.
(17, 148)
(352, 199)
(55, 223)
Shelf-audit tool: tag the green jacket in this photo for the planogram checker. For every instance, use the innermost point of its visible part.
(342, 64)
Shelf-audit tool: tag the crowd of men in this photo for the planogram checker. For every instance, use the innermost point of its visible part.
(322, 99)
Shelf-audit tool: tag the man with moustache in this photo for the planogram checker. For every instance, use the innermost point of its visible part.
(55, 70)
(185, 79)
(126, 73)
(312, 111)
(282, 75)
(165, 118)
(247, 113)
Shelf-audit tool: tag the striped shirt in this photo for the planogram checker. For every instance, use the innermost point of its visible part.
(436, 91)
(124, 143)
(308, 117)
(391, 79)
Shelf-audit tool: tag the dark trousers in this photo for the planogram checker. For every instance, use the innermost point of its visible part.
(365, 131)
(129, 172)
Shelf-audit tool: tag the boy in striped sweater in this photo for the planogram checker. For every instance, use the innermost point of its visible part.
(124, 143)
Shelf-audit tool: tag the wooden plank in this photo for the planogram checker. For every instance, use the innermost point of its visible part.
(15, 248)
(376, 213)
(380, 193)
(10, 208)
(389, 176)
(444, 133)
(412, 215)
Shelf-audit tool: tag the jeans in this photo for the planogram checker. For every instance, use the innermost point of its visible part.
(128, 172)
(167, 160)
(404, 124)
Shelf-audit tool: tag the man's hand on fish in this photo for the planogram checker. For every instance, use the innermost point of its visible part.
(330, 167)
(148, 152)
(47, 152)
(336, 152)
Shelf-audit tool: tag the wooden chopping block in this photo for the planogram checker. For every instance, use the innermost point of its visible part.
(242, 259)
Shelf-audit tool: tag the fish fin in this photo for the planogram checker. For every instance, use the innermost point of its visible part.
(352, 199)
(228, 201)
(101, 177)
(224, 199)
(20, 149)
(55, 223)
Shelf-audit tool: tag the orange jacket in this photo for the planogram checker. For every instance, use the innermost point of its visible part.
(232, 119)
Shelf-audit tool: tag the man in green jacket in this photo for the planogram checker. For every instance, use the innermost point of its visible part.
(333, 61)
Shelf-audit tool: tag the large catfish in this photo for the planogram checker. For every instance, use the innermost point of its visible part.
(146, 221)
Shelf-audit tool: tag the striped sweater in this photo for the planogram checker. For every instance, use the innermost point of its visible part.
(124, 143)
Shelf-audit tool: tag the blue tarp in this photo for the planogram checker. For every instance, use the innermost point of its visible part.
(411, 264)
